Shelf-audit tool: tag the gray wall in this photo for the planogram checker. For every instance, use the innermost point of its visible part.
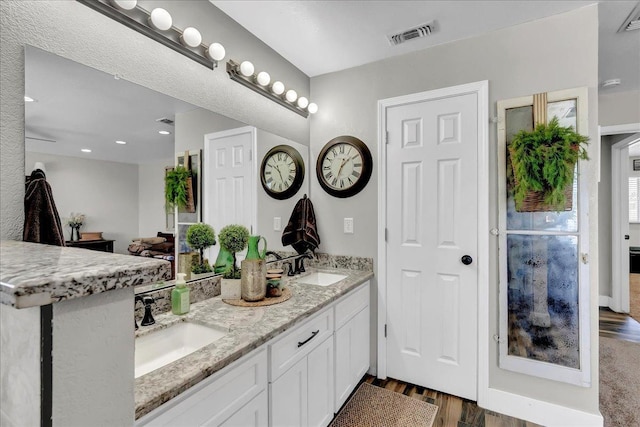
(618, 108)
(72, 30)
(151, 202)
(555, 53)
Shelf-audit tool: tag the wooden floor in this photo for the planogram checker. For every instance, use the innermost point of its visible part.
(452, 411)
(618, 325)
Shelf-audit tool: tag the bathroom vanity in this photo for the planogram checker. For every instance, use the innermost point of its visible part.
(293, 363)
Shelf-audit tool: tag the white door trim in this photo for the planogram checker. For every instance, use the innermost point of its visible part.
(619, 300)
(481, 89)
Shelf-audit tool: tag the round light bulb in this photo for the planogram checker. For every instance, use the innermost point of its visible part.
(303, 102)
(277, 88)
(216, 51)
(247, 69)
(160, 19)
(191, 37)
(124, 4)
(312, 108)
(291, 95)
(263, 78)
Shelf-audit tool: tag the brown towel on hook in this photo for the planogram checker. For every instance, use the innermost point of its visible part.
(302, 232)
(41, 219)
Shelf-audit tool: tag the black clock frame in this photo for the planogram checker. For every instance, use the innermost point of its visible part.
(367, 166)
(297, 181)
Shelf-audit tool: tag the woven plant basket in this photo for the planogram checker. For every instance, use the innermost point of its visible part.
(534, 201)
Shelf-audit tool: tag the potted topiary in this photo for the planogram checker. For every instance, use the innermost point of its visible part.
(200, 237)
(178, 188)
(543, 162)
(233, 239)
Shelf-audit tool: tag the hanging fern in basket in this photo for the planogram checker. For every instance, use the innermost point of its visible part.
(544, 161)
(176, 187)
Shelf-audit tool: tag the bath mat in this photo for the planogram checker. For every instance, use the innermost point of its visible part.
(372, 406)
(619, 382)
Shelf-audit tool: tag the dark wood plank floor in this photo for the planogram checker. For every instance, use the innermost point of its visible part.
(618, 325)
(452, 411)
(456, 412)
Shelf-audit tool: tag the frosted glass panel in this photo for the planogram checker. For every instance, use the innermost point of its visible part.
(565, 111)
(543, 298)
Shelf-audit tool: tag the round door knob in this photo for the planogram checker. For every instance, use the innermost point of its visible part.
(466, 260)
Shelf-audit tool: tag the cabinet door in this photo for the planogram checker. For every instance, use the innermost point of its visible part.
(352, 355)
(253, 414)
(289, 397)
(320, 384)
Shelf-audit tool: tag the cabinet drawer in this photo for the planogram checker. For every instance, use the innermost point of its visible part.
(213, 401)
(352, 305)
(299, 342)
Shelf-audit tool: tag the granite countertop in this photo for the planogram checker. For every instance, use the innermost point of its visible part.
(33, 274)
(247, 329)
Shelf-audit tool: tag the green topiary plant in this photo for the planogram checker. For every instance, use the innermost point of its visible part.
(234, 238)
(201, 236)
(175, 187)
(544, 161)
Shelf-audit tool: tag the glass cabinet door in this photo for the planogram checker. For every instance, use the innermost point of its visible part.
(544, 290)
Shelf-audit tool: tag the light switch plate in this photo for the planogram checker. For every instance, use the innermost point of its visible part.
(348, 226)
(277, 223)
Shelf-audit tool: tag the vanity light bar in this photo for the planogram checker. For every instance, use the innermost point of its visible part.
(244, 74)
(138, 19)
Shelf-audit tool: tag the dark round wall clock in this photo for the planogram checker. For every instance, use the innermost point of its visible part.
(282, 172)
(344, 166)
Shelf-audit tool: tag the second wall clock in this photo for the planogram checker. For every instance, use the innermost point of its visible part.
(344, 166)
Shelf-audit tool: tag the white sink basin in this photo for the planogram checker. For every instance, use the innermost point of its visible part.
(321, 279)
(160, 348)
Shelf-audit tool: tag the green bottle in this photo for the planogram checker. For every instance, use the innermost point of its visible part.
(180, 296)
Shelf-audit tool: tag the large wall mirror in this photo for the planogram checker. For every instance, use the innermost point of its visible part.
(119, 187)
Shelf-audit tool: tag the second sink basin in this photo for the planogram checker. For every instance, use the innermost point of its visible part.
(168, 345)
(321, 279)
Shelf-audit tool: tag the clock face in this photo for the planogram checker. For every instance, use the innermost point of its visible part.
(344, 166)
(282, 172)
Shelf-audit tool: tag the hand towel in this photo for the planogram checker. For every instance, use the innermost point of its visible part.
(302, 232)
(41, 219)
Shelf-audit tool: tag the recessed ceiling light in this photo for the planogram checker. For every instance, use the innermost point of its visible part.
(121, 142)
(28, 99)
(164, 132)
(85, 150)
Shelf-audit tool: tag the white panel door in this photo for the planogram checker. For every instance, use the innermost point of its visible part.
(320, 385)
(432, 224)
(229, 184)
(253, 414)
(289, 397)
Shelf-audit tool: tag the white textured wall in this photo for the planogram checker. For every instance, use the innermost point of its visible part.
(151, 201)
(106, 192)
(72, 30)
(618, 108)
(93, 360)
(555, 53)
(19, 366)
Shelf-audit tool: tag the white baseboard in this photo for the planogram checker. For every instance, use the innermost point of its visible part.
(538, 411)
(604, 301)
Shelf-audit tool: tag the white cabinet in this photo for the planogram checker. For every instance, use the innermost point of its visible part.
(228, 398)
(301, 389)
(351, 343)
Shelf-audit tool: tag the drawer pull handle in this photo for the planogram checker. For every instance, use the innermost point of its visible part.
(313, 335)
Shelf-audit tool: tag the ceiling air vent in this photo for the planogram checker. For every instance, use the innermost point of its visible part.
(165, 121)
(633, 20)
(414, 33)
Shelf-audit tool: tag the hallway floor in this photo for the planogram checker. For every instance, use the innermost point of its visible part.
(634, 296)
(618, 325)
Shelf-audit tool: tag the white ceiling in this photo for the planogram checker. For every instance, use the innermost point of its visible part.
(321, 37)
(79, 107)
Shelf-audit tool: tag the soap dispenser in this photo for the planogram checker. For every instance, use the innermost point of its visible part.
(180, 296)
